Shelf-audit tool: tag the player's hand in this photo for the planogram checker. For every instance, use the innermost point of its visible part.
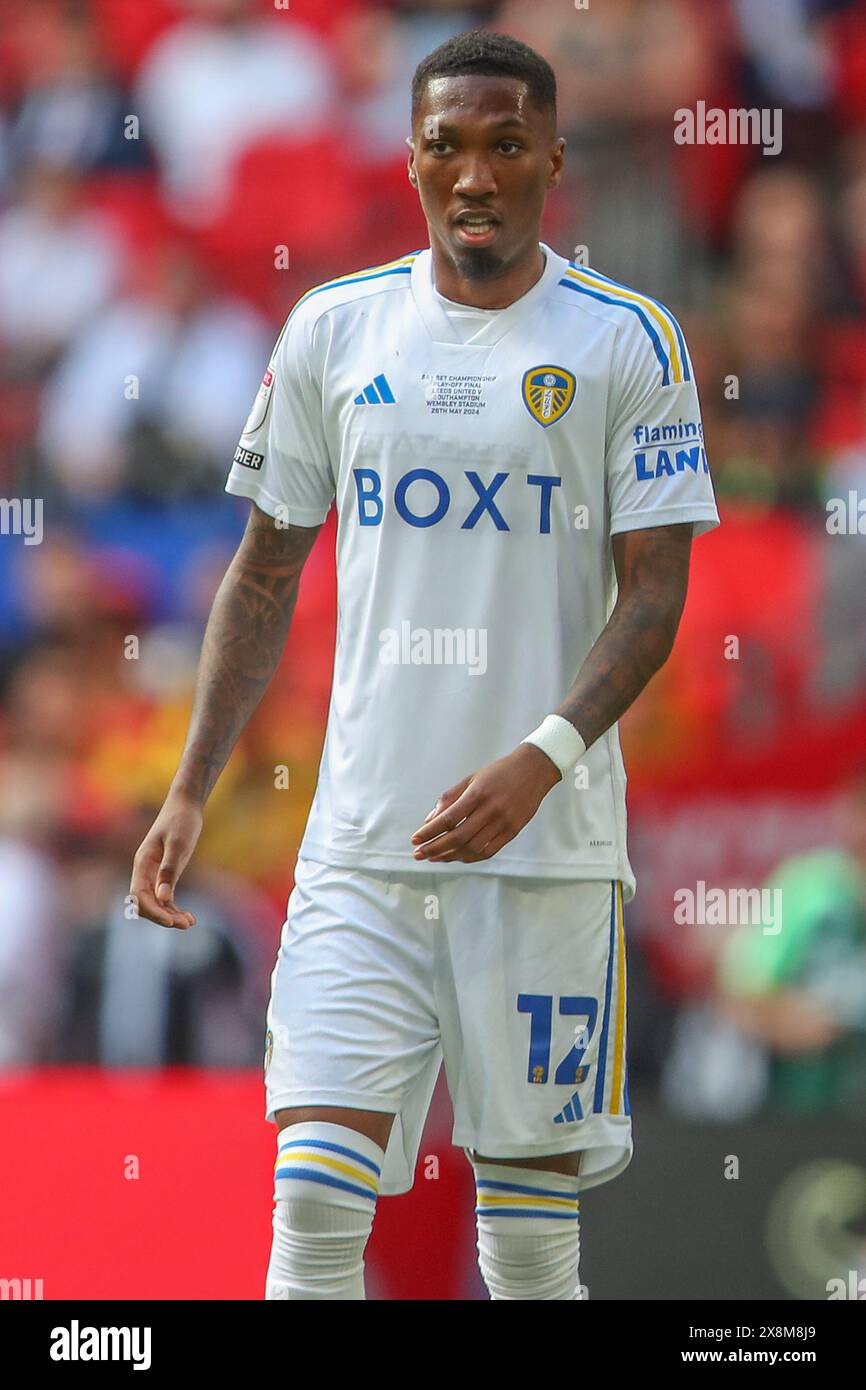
(475, 818)
(162, 857)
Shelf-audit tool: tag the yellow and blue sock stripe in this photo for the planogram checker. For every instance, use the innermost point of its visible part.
(517, 1199)
(332, 1165)
(659, 323)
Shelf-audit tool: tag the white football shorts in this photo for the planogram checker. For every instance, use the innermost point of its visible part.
(518, 983)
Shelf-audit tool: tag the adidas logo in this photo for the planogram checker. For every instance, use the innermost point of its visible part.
(377, 393)
(570, 1112)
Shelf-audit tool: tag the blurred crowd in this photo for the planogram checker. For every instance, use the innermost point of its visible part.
(173, 175)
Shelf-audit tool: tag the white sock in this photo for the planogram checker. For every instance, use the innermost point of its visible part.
(326, 1183)
(528, 1232)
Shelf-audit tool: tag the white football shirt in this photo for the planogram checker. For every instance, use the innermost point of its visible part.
(478, 484)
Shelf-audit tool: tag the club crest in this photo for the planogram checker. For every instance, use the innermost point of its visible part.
(547, 393)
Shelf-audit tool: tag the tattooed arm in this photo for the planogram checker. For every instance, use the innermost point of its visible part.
(652, 573)
(243, 643)
(484, 811)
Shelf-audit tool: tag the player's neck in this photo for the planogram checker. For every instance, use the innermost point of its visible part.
(496, 293)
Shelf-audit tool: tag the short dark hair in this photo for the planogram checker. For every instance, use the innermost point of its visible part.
(488, 54)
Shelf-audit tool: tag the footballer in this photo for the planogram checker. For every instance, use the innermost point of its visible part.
(514, 446)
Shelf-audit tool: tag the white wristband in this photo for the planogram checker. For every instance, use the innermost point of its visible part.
(559, 739)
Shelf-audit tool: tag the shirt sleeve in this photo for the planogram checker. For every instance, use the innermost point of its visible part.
(656, 466)
(282, 461)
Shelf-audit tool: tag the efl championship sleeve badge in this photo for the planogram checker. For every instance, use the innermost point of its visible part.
(256, 417)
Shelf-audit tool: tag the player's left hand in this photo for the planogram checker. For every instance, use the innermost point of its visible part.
(475, 818)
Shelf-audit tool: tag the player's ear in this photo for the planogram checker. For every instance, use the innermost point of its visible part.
(410, 167)
(557, 159)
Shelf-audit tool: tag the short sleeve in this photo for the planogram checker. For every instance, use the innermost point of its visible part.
(282, 461)
(656, 466)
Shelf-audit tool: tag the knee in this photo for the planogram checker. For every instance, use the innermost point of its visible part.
(326, 1185)
(317, 1251)
(528, 1232)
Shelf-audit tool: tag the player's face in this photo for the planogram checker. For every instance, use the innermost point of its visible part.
(483, 158)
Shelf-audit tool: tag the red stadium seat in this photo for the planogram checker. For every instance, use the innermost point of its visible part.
(848, 36)
(838, 420)
(133, 203)
(127, 29)
(394, 222)
(299, 194)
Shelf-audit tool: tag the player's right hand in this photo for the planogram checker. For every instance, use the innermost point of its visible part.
(162, 857)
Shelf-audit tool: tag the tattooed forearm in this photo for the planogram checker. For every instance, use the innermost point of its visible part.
(652, 576)
(243, 643)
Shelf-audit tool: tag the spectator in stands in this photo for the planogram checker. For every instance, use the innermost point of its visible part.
(42, 737)
(30, 967)
(622, 69)
(73, 112)
(768, 306)
(140, 997)
(82, 982)
(153, 393)
(218, 80)
(380, 49)
(788, 51)
(801, 992)
(59, 263)
(853, 227)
